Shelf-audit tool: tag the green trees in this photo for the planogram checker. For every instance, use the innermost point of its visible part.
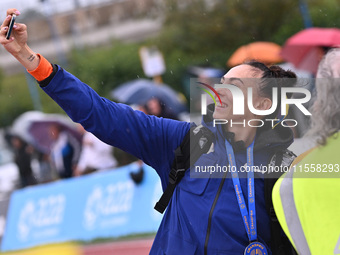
(195, 32)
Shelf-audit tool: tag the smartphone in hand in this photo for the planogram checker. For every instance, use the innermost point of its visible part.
(10, 27)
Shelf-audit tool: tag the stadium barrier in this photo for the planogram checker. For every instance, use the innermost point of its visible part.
(100, 205)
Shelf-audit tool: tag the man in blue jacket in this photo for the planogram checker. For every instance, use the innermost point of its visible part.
(205, 215)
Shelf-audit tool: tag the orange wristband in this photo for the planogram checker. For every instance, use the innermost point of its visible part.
(43, 70)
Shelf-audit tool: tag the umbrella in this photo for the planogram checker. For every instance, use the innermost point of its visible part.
(305, 49)
(267, 52)
(34, 128)
(139, 91)
(22, 123)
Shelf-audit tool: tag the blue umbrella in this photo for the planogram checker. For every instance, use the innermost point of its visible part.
(139, 91)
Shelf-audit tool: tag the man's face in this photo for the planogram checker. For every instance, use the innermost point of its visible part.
(242, 76)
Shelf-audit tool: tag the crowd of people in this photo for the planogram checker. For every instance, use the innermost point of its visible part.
(224, 215)
(68, 156)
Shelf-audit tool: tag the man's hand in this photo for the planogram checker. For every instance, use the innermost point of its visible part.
(17, 43)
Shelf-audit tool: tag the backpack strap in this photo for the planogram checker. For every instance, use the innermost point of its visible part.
(196, 142)
(280, 244)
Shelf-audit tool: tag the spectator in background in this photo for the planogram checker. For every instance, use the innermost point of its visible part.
(306, 199)
(95, 154)
(156, 107)
(324, 115)
(65, 151)
(22, 158)
(325, 111)
(46, 173)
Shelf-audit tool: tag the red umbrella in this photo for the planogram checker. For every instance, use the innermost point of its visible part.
(305, 49)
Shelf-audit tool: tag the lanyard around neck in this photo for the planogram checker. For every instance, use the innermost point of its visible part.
(249, 219)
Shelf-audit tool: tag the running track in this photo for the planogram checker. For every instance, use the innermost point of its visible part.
(134, 247)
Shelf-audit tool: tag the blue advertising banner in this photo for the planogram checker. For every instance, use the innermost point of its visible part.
(106, 204)
(3, 214)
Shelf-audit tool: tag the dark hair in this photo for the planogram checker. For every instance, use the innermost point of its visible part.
(273, 76)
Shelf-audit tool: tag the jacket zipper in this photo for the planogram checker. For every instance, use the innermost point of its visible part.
(211, 213)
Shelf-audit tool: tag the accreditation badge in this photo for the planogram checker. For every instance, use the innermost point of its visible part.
(255, 248)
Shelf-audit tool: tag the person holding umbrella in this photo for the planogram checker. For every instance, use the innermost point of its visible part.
(22, 158)
(205, 215)
(306, 48)
(65, 151)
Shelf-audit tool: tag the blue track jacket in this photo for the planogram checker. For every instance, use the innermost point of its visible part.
(203, 214)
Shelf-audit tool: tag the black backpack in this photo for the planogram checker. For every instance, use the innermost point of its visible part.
(198, 141)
